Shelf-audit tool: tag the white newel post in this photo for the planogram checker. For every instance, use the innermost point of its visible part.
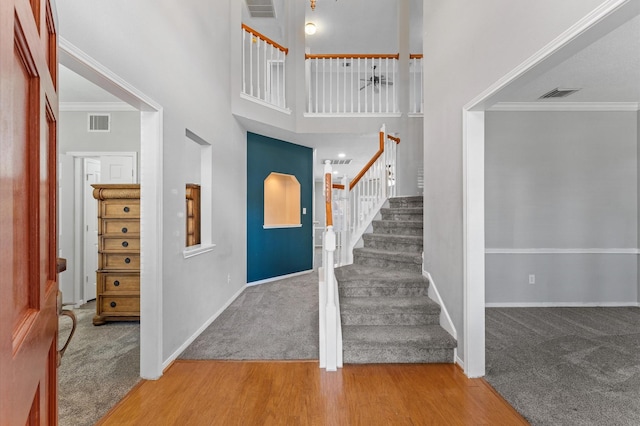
(330, 247)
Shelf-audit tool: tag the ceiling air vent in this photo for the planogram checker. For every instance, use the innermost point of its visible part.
(99, 122)
(558, 93)
(261, 8)
(339, 162)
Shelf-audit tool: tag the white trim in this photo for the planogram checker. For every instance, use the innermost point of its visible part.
(445, 319)
(278, 278)
(151, 144)
(265, 103)
(96, 106)
(633, 251)
(196, 250)
(299, 225)
(457, 359)
(132, 154)
(473, 141)
(560, 304)
(565, 106)
(199, 331)
(415, 115)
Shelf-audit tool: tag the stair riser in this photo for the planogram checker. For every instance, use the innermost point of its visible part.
(401, 204)
(382, 291)
(395, 229)
(381, 262)
(390, 319)
(363, 355)
(402, 216)
(393, 246)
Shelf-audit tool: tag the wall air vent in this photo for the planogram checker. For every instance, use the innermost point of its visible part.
(558, 93)
(261, 8)
(99, 122)
(339, 162)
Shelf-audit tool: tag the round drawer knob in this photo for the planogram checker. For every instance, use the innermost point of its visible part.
(116, 283)
(125, 244)
(113, 304)
(126, 209)
(125, 230)
(127, 260)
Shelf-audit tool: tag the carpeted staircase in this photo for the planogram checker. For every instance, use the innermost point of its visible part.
(386, 314)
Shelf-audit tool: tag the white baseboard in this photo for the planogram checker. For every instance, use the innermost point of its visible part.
(561, 304)
(445, 319)
(457, 359)
(198, 332)
(278, 278)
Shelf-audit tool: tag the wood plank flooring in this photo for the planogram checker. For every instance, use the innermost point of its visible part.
(300, 393)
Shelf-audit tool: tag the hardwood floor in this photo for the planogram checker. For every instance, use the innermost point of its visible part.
(299, 393)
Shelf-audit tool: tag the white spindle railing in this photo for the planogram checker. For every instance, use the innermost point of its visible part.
(415, 84)
(330, 341)
(263, 68)
(364, 196)
(352, 84)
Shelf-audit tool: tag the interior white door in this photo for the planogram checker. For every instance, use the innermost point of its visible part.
(92, 169)
(117, 169)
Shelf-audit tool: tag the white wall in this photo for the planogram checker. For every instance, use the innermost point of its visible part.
(568, 181)
(124, 135)
(178, 53)
(469, 46)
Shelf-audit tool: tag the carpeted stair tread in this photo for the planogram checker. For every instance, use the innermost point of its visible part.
(367, 336)
(403, 210)
(385, 305)
(391, 255)
(355, 272)
(411, 239)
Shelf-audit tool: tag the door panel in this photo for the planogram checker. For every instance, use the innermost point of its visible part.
(91, 176)
(116, 169)
(28, 306)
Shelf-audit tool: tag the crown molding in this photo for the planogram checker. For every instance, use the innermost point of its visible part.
(96, 106)
(565, 106)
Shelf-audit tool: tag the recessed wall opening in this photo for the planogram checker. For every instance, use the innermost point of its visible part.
(281, 201)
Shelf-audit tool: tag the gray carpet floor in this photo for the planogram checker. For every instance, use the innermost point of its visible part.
(100, 366)
(277, 320)
(567, 366)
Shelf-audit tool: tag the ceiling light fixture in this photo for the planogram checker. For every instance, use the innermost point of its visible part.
(310, 28)
(342, 155)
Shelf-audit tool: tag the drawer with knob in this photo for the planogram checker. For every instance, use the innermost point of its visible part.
(118, 261)
(119, 244)
(119, 227)
(122, 209)
(123, 305)
(119, 282)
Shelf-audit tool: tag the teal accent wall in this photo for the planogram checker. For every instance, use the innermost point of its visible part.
(283, 251)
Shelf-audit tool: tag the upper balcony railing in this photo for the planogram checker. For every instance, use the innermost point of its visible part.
(263, 68)
(352, 84)
(337, 85)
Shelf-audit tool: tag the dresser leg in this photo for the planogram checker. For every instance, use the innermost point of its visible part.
(99, 320)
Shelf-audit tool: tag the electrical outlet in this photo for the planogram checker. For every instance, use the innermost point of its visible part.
(532, 279)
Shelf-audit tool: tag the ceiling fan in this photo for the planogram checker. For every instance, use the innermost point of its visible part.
(376, 81)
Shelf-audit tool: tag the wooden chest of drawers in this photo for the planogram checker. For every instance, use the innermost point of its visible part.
(118, 280)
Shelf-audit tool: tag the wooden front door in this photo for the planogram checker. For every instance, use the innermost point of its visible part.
(28, 273)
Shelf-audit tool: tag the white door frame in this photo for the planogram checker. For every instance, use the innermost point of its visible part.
(86, 220)
(151, 143)
(610, 14)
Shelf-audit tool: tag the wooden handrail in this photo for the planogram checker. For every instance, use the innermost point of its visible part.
(415, 56)
(338, 186)
(327, 203)
(367, 166)
(377, 155)
(353, 56)
(265, 38)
